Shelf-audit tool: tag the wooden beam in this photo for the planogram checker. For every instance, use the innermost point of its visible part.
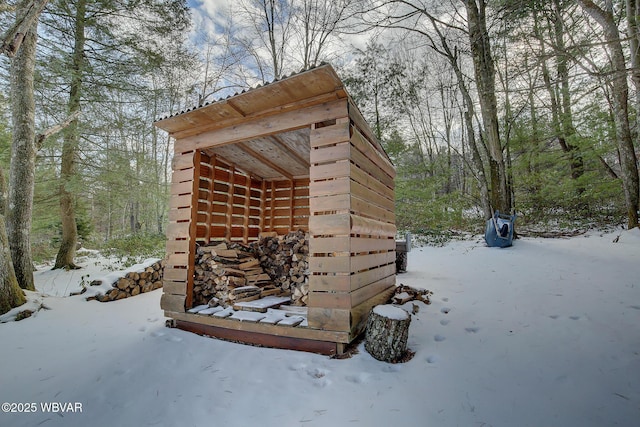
(285, 173)
(280, 143)
(265, 126)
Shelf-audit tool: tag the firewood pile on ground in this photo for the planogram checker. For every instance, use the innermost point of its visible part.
(230, 272)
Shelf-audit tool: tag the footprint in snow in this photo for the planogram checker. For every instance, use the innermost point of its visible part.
(445, 310)
(574, 317)
(173, 338)
(554, 316)
(472, 330)
(439, 338)
(445, 299)
(142, 328)
(152, 319)
(391, 368)
(444, 322)
(635, 307)
(360, 378)
(432, 358)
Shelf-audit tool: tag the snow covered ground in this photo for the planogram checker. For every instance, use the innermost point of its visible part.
(545, 333)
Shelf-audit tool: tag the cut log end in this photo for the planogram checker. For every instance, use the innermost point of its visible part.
(387, 333)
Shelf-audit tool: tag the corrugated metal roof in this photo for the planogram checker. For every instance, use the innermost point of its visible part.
(243, 91)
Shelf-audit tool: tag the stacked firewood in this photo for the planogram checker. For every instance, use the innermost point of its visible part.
(226, 273)
(286, 261)
(230, 272)
(133, 283)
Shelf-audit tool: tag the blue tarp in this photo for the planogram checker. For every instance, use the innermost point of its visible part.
(499, 230)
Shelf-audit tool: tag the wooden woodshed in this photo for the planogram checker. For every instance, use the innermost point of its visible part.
(289, 155)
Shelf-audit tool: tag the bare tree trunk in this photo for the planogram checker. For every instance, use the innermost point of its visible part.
(10, 293)
(23, 156)
(620, 95)
(67, 250)
(485, 81)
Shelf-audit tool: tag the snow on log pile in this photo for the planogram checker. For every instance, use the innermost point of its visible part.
(138, 279)
(230, 272)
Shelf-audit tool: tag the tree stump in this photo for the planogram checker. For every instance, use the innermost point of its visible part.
(387, 333)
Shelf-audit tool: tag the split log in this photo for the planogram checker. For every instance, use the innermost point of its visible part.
(387, 333)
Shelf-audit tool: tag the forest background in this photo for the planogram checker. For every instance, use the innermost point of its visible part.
(522, 106)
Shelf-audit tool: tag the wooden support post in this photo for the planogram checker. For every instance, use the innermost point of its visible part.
(212, 162)
(193, 227)
(232, 179)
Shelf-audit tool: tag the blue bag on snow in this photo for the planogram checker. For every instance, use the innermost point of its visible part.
(499, 230)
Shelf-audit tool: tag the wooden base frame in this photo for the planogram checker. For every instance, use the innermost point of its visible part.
(263, 339)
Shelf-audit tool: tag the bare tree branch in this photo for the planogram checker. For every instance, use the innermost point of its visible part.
(12, 39)
(55, 129)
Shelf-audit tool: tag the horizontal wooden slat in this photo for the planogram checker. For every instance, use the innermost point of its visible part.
(329, 135)
(178, 230)
(370, 210)
(328, 188)
(385, 201)
(331, 170)
(337, 264)
(352, 282)
(330, 300)
(339, 202)
(371, 182)
(181, 188)
(175, 246)
(367, 165)
(182, 175)
(330, 224)
(175, 274)
(368, 226)
(181, 260)
(180, 201)
(349, 244)
(174, 303)
(299, 332)
(174, 288)
(382, 162)
(366, 292)
(182, 161)
(362, 262)
(335, 153)
(183, 214)
(329, 319)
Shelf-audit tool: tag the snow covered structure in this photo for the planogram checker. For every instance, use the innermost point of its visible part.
(294, 154)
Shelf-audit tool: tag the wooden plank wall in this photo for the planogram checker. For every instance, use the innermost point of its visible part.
(178, 273)
(286, 205)
(209, 200)
(352, 226)
(235, 204)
